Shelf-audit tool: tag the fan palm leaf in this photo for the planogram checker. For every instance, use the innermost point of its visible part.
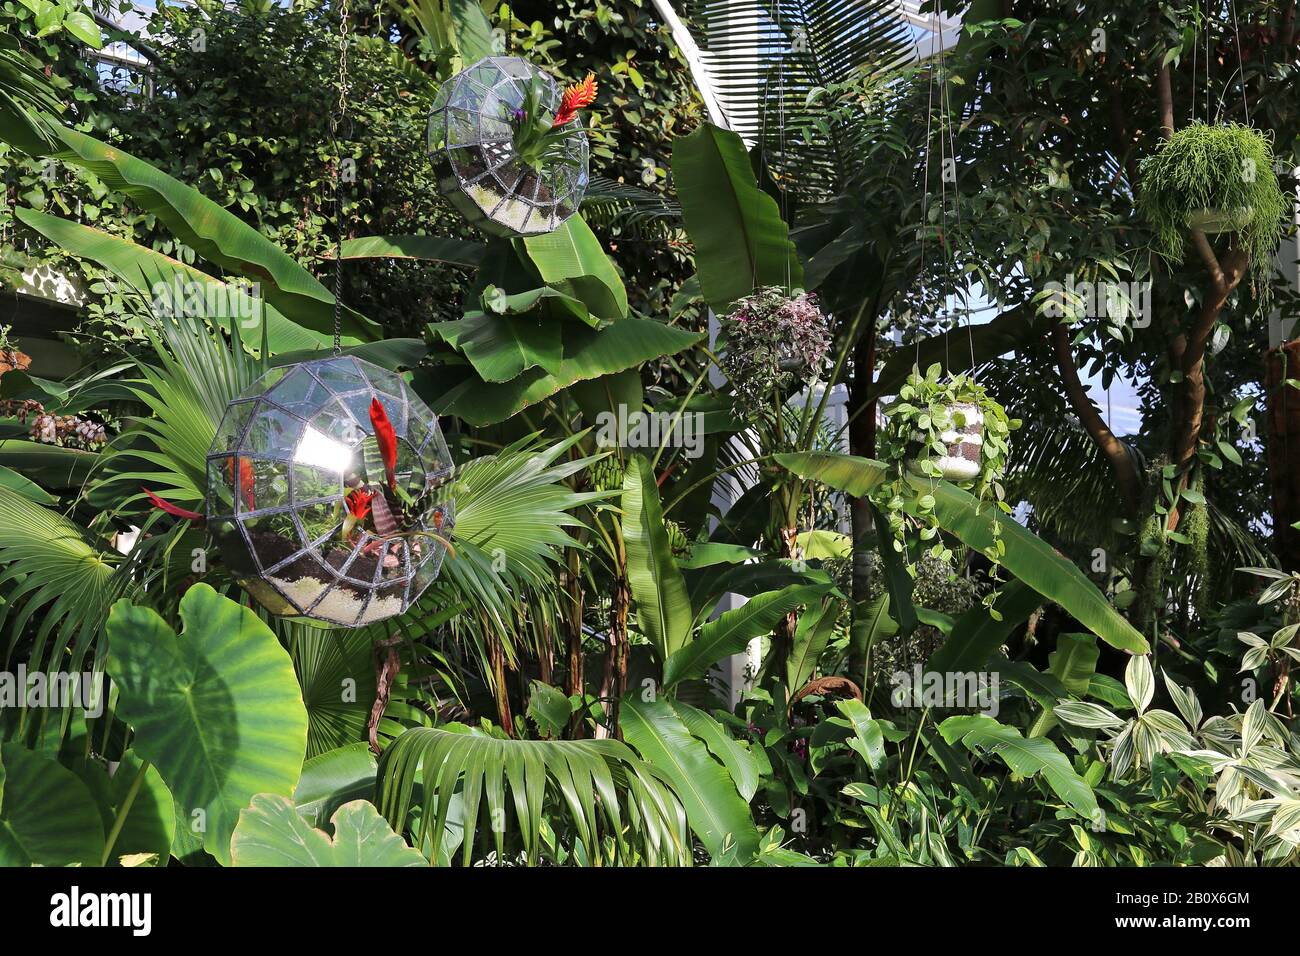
(618, 808)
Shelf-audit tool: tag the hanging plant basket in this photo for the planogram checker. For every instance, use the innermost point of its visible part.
(478, 141)
(1215, 221)
(327, 492)
(947, 428)
(1214, 178)
(771, 342)
(960, 430)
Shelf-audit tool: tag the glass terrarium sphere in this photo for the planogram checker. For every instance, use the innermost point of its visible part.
(328, 491)
(471, 143)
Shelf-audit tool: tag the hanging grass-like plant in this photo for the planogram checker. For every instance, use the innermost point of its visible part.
(1216, 178)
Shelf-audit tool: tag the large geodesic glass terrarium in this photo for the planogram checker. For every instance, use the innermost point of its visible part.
(474, 127)
(328, 492)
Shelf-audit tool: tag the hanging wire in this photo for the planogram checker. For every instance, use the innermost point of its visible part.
(337, 119)
(1241, 63)
(925, 185)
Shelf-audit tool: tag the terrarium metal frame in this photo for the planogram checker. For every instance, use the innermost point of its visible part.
(283, 471)
(471, 145)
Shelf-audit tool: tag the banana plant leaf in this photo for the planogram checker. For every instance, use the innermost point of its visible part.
(570, 260)
(145, 270)
(216, 234)
(588, 353)
(717, 813)
(457, 252)
(662, 605)
(736, 228)
(1033, 561)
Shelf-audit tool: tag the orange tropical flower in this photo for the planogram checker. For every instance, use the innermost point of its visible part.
(576, 97)
(245, 478)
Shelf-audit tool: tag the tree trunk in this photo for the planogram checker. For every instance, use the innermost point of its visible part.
(862, 442)
(571, 582)
(614, 683)
(1283, 450)
(501, 690)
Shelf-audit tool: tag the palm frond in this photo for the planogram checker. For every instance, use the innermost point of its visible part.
(618, 808)
(765, 58)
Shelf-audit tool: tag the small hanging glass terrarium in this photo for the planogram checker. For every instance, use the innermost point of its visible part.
(327, 492)
(509, 146)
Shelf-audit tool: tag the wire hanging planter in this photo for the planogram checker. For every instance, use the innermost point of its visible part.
(324, 485)
(509, 147)
(328, 480)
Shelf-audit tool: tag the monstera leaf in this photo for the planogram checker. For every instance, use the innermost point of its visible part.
(272, 833)
(216, 708)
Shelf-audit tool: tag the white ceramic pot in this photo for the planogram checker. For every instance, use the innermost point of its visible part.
(964, 446)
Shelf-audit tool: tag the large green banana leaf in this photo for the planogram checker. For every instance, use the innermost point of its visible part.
(457, 252)
(733, 630)
(849, 473)
(662, 605)
(718, 814)
(271, 832)
(739, 238)
(599, 786)
(977, 634)
(570, 259)
(145, 270)
(214, 233)
(216, 708)
(501, 346)
(588, 353)
(1033, 561)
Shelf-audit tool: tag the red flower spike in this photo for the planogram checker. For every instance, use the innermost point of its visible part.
(359, 502)
(576, 97)
(172, 509)
(387, 440)
(245, 479)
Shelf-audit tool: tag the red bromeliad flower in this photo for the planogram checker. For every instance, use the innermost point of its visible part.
(359, 502)
(576, 97)
(386, 439)
(245, 478)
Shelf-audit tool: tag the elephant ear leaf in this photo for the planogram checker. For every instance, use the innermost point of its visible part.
(271, 832)
(216, 709)
(47, 816)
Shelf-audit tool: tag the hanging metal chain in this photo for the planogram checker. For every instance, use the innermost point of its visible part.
(336, 122)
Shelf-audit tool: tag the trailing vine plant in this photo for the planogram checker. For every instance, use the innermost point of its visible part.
(921, 423)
